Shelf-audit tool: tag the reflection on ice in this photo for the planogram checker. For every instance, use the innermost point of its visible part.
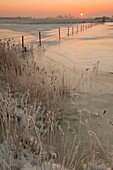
(85, 59)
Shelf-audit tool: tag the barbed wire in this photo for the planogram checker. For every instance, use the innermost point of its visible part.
(47, 35)
(31, 33)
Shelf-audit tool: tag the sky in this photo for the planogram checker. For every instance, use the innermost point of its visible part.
(45, 8)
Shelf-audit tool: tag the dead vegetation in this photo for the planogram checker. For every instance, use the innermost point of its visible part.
(31, 109)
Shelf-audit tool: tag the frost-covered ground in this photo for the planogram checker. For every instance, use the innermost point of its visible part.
(87, 55)
(80, 50)
(87, 58)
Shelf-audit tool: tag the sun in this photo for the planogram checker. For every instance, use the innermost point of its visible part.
(81, 14)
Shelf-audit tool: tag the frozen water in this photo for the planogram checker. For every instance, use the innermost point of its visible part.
(80, 50)
(90, 54)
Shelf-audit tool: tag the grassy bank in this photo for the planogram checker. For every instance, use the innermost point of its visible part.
(33, 126)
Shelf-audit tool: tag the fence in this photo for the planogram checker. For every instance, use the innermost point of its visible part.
(41, 37)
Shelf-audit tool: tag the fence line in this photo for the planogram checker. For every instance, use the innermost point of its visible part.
(57, 33)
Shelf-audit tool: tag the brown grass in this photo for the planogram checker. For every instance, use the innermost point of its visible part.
(40, 96)
(43, 85)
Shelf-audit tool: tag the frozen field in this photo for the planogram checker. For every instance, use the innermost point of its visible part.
(80, 50)
(88, 54)
(90, 49)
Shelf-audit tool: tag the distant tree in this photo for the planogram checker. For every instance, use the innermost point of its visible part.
(103, 19)
(98, 18)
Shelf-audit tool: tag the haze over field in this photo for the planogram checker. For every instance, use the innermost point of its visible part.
(44, 8)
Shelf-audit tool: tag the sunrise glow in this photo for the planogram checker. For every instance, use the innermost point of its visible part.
(81, 14)
(42, 8)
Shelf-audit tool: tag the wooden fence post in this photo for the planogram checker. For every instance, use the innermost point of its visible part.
(77, 28)
(72, 30)
(22, 43)
(40, 41)
(68, 31)
(59, 33)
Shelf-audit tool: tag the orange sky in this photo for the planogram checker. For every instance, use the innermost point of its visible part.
(42, 8)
